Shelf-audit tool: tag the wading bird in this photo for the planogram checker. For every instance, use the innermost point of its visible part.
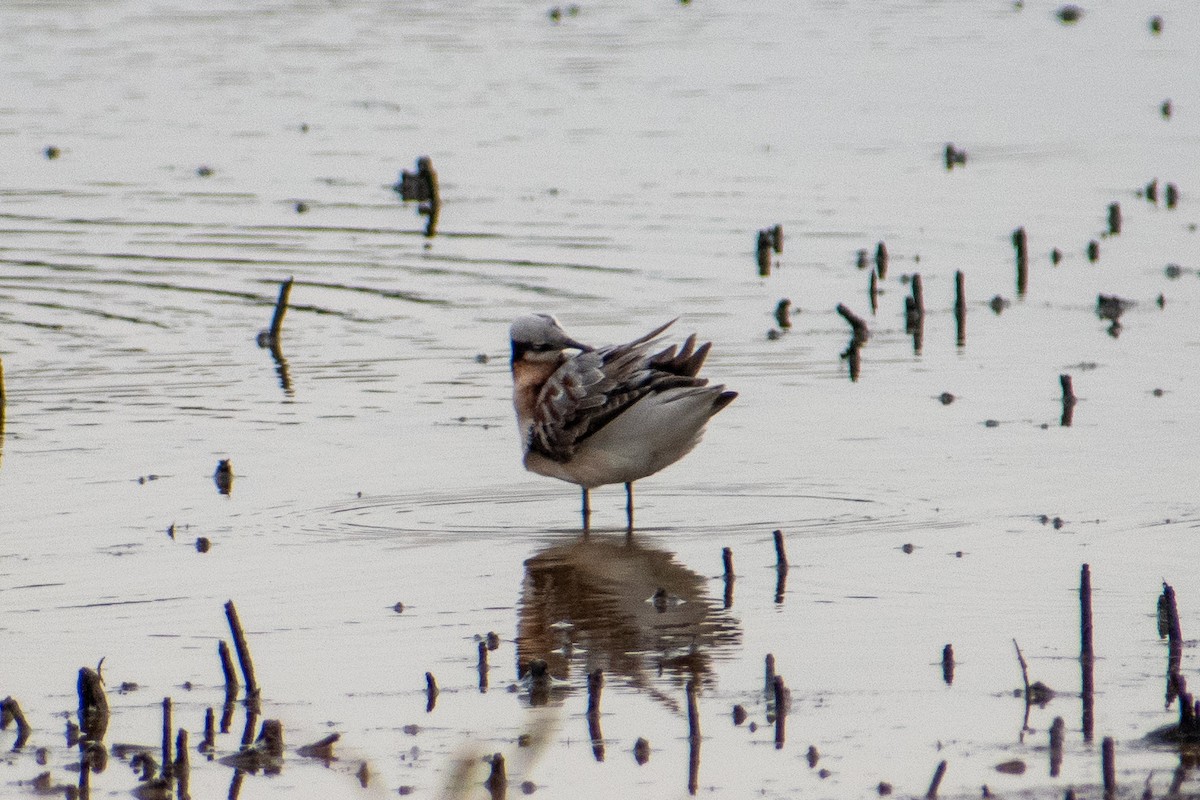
(609, 415)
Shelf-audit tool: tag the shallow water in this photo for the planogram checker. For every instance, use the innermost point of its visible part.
(613, 168)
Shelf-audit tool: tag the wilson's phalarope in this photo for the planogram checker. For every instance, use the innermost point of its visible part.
(608, 415)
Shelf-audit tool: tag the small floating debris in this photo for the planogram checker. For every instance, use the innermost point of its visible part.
(203, 545)
(945, 398)
(768, 240)
(1156, 24)
(1151, 191)
(1014, 767)
(1165, 109)
(1020, 247)
(948, 664)
(998, 304)
(641, 751)
(881, 260)
(204, 171)
(739, 714)
(421, 186)
(1055, 256)
(1069, 14)
(1114, 219)
(51, 153)
(954, 157)
(783, 313)
(558, 12)
(1171, 195)
(223, 476)
(960, 309)
(301, 208)
(1093, 251)
(1111, 307)
(861, 259)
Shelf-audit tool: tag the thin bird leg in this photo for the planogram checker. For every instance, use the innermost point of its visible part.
(587, 511)
(629, 504)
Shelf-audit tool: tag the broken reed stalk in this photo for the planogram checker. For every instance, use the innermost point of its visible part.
(948, 664)
(856, 324)
(10, 711)
(693, 738)
(881, 260)
(960, 308)
(873, 291)
(210, 732)
(276, 329)
(763, 253)
(780, 584)
(769, 685)
(1068, 400)
(181, 764)
(431, 692)
(243, 649)
(231, 681)
(938, 774)
(483, 667)
(727, 561)
(1168, 613)
(780, 711)
(1086, 654)
(918, 295)
(1019, 241)
(781, 561)
(1024, 669)
(93, 705)
(1114, 219)
(167, 730)
(1057, 733)
(1108, 764)
(595, 685)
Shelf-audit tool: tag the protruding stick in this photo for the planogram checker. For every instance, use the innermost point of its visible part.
(769, 669)
(210, 732)
(497, 780)
(948, 664)
(276, 330)
(960, 308)
(595, 684)
(1086, 654)
(938, 774)
(727, 560)
(1019, 241)
(881, 260)
(1108, 764)
(243, 649)
(780, 711)
(693, 738)
(1057, 733)
(182, 765)
(1168, 615)
(861, 333)
(1068, 400)
(781, 561)
(168, 759)
(431, 692)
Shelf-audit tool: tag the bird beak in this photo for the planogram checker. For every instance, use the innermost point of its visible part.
(579, 346)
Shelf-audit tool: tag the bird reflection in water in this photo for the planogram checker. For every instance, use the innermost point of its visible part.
(620, 606)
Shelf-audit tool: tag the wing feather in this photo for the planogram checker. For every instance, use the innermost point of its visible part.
(592, 389)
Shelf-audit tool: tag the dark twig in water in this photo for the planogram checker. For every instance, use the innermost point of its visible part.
(1068, 401)
(1114, 219)
(873, 292)
(595, 684)
(762, 253)
(231, 680)
(1109, 766)
(497, 780)
(322, 749)
(960, 308)
(914, 313)
(274, 334)
(1024, 669)
(861, 333)
(182, 765)
(938, 774)
(243, 649)
(781, 560)
(727, 560)
(1057, 732)
(10, 711)
(210, 732)
(482, 666)
(1020, 245)
(881, 260)
(782, 316)
(769, 669)
(168, 759)
(1086, 655)
(693, 738)
(93, 705)
(1168, 625)
(431, 692)
(948, 664)
(780, 710)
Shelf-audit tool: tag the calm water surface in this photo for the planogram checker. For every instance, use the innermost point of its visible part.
(612, 167)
